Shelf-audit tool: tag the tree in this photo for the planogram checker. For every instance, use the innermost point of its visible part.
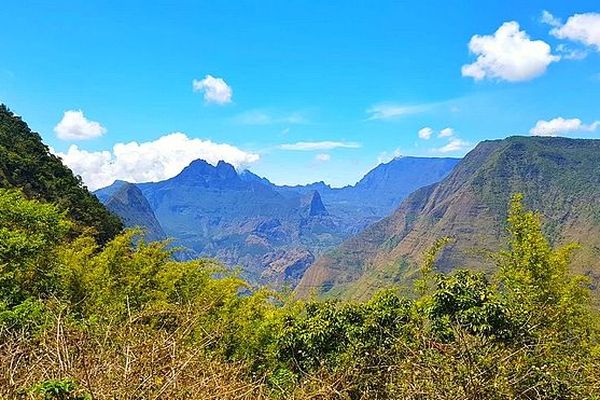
(29, 234)
(536, 281)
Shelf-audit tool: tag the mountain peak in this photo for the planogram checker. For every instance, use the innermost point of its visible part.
(226, 170)
(314, 205)
(128, 201)
(198, 166)
(200, 172)
(105, 193)
(249, 176)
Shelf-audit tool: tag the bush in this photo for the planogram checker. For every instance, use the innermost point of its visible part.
(332, 334)
(29, 235)
(26, 318)
(127, 320)
(467, 300)
(52, 389)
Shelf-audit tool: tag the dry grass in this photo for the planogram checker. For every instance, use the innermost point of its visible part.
(133, 361)
(122, 363)
(137, 361)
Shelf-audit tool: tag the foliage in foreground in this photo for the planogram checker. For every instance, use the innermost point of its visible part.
(123, 320)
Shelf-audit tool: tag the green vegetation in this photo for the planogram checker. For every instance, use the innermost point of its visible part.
(58, 390)
(80, 320)
(26, 163)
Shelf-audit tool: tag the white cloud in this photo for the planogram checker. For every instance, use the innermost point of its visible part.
(75, 126)
(583, 28)
(386, 157)
(571, 54)
(149, 161)
(260, 117)
(509, 55)
(390, 111)
(216, 90)
(323, 157)
(550, 19)
(425, 133)
(454, 145)
(446, 132)
(316, 146)
(561, 126)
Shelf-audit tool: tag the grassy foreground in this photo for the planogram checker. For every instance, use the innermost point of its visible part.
(124, 321)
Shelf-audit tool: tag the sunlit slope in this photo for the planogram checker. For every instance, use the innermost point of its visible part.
(558, 176)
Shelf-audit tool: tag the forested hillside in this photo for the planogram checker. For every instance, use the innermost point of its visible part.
(26, 163)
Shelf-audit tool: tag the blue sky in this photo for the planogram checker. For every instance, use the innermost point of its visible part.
(297, 91)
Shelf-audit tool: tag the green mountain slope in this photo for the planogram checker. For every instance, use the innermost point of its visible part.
(27, 164)
(558, 176)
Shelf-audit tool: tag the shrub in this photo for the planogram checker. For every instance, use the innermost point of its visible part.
(52, 389)
(126, 319)
(467, 300)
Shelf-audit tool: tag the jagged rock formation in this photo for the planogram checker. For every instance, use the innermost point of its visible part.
(313, 206)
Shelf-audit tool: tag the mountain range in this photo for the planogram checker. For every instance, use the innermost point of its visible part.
(338, 242)
(272, 232)
(560, 177)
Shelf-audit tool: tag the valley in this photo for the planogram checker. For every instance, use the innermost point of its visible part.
(274, 233)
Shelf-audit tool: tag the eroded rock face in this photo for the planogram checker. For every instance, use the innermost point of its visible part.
(286, 267)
